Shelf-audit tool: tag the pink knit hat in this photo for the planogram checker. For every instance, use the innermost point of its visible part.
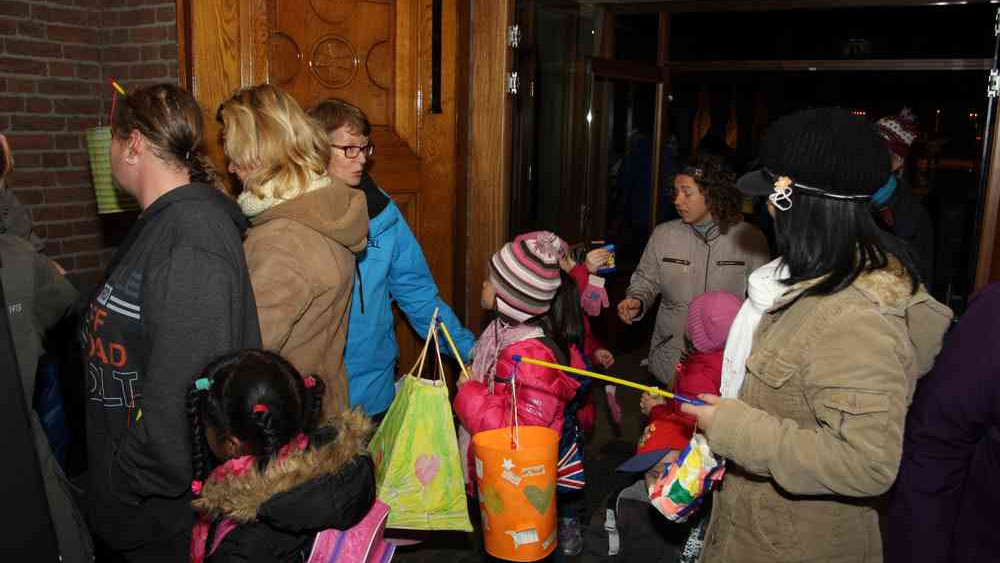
(709, 317)
(525, 274)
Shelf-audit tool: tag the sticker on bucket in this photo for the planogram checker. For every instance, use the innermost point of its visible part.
(524, 537)
(533, 471)
(479, 468)
(511, 477)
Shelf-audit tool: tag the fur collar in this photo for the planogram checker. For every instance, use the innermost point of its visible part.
(886, 287)
(253, 204)
(240, 496)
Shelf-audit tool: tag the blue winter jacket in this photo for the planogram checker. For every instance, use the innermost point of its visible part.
(393, 268)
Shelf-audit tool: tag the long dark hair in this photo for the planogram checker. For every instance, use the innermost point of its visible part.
(836, 241)
(172, 123)
(236, 383)
(563, 322)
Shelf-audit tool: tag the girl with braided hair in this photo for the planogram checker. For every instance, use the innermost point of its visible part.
(269, 471)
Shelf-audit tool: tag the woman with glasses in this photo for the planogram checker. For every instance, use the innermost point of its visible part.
(392, 270)
(306, 228)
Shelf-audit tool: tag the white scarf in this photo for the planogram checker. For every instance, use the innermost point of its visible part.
(763, 289)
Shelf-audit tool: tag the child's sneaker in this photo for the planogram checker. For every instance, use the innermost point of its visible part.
(570, 536)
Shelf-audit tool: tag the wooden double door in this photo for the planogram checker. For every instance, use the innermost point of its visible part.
(395, 59)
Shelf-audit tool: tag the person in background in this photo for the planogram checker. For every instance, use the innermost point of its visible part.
(391, 270)
(177, 294)
(941, 508)
(306, 230)
(897, 209)
(709, 248)
(816, 433)
(37, 295)
(270, 471)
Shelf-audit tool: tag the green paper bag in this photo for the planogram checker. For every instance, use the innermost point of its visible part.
(418, 470)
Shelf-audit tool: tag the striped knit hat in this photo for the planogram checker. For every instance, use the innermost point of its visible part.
(899, 131)
(525, 274)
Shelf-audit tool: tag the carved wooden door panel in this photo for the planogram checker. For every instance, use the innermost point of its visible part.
(396, 60)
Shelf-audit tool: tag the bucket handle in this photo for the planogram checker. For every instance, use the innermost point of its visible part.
(515, 429)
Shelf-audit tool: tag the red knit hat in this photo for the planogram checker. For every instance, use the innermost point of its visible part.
(899, 131)
(709, 317)
(525, 274)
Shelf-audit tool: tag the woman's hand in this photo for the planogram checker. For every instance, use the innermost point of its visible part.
(597, 258)
(604, 357)
(628, 309)
(648, 401)
(704, 413)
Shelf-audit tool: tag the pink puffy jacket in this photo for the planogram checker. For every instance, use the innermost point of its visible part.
(542, 393)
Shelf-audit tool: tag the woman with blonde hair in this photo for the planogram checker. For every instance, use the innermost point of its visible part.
(306, 227)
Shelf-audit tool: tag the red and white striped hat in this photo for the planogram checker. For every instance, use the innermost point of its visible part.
(525, 274)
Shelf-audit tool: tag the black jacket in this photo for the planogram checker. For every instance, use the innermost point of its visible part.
(177, 295)
(279, 511)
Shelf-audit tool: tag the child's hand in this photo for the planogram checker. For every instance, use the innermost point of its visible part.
(604, 357)
(596, 259)
(704, 413)
(566, 263)
(648, 401)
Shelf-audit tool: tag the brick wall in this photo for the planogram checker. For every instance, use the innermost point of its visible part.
(55, 58)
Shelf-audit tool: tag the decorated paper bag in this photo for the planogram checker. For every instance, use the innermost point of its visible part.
(418, 471)
(679, 492)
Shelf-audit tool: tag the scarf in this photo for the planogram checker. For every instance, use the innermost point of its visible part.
(255, 202)
(763, 289)
(498, 335)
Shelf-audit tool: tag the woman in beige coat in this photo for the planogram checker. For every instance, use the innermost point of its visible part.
(816, 433)
(710, 248)
(306, 229)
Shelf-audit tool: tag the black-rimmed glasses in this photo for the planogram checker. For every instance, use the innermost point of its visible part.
(352, 151)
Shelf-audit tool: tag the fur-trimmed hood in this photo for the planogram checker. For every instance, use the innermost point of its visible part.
(329, 484)
(890, 289)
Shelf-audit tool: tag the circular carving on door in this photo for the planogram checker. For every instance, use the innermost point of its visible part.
(284, 58)
(378, 64)
(334, 61)
(333, 11)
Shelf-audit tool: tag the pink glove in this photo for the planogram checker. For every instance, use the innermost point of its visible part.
(594, 297)
(613, 406)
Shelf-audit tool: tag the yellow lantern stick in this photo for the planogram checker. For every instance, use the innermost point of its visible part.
(118, 87)
(454, 349)
(615, 380)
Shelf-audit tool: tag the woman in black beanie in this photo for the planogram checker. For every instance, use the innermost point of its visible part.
(816, 433)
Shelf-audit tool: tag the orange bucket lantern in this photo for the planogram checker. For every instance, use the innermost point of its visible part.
(516, 479)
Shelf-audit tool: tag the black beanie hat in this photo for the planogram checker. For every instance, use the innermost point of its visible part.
(823, 150)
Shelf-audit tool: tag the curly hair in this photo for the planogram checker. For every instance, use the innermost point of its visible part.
(717, 182)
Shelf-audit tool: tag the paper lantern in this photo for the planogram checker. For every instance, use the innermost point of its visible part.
(110, 197)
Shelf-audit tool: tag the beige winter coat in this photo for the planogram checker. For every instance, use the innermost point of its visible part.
(680, 264)
(301, 259)
(817, 431)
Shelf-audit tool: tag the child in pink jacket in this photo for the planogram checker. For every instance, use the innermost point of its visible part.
(537, 316)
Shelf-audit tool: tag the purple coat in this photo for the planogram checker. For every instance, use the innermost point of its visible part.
(947, 495)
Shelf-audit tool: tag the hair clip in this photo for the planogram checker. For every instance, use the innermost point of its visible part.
(781, 198)
(187, 156)
(309, 381)
(260, 407)
(695, 173)
(203, 384)
(196, 487)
